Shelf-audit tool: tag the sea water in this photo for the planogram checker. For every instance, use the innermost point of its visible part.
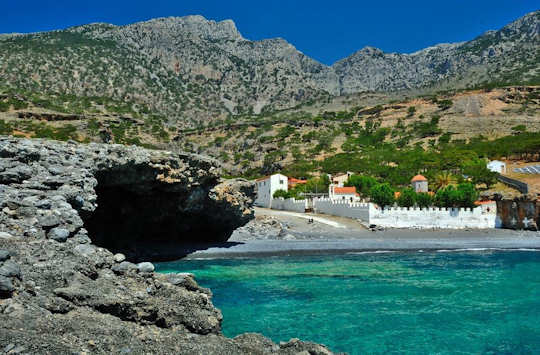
(415, 303)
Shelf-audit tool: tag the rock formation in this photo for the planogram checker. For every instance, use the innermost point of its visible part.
(62, 292)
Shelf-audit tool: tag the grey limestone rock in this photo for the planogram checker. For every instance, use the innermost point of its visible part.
(58, 234)
(124, 267)
(4, 255)
(10, 269)
(119, 257)
(74, 296)
(145, 267)
(6, 286)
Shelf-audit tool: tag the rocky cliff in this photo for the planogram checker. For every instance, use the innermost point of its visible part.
(509, 55)
(193, 70)
(64, 207)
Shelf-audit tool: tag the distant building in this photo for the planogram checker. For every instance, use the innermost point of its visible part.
(497, 166)
(419, 183)
(337, 193)
(292, 182)
(341, 179)
(266, 187)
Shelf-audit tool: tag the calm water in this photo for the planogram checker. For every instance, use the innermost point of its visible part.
(454, 302)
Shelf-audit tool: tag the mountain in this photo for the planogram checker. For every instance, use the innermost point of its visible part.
(191, 71)
(510, 55)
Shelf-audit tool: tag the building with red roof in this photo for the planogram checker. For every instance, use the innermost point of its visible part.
(293, 182)
(343, 193)
(419, 183)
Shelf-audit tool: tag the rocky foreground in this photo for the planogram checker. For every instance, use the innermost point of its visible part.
(65, 206)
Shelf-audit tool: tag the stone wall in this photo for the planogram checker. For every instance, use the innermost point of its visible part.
(356, 210)
(289, 204)
(401, 217)
(454, 218)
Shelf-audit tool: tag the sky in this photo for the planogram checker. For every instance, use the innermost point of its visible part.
(324, 30)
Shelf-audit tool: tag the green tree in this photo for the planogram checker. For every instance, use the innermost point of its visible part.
(407, 198)
(362, 183)
(318, 184)
(382, 194)
(479, 173)
(280, 193)
(423, 200)
(468, 195)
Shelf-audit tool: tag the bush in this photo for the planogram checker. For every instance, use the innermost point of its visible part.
(479, 173)
(423, 200)
(281, 193)
(362, 183)
(382, 195)
(4, 106)
(463, 196)
(445, 104)
(407, 198)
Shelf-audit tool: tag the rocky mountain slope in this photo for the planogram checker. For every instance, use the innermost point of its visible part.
(191, 71)
(510, 55)
(63, 291)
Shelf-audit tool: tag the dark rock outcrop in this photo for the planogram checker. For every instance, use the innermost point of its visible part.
(521, 212)
(126, 197)
(62, 292)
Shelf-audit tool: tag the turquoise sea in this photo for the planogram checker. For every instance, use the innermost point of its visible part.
(484, 302)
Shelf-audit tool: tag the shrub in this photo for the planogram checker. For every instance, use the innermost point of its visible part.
(479, 173)
(444, 104)
(463, 196)
(362, 183)
(382, 194)
(280, 193)
(4, 106)
(423, 200)
(407, 198)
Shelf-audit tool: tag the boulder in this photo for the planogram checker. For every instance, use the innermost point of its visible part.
(124, 267)
(4, 255)
(58, 234)
(119, 257)
(145, 267)
(6, 286)
(10, 269)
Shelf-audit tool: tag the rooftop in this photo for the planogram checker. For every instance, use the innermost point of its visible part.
(418, 178)
(345, 190)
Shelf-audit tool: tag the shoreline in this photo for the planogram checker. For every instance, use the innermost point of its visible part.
(282, 233)
(272, 248)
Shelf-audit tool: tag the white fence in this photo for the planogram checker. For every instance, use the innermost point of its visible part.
(356, 210)
(481, 217)
(289, 204)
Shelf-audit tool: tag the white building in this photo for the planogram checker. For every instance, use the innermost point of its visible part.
(266, 187)
(419, 183)
(497, 166)
(341, 179)
(337, 193)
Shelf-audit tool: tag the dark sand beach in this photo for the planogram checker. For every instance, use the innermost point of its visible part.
(288, 233)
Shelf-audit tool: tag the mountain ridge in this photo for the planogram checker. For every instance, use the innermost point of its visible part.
(194, 70)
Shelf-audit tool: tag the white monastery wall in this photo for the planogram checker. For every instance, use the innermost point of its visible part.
(289, 204)
(481, 217)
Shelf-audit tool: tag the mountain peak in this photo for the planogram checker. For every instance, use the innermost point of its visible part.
(195, 24)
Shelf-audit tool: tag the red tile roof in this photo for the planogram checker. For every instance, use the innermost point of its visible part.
(418, 178)
(344, 190)
(296, 181)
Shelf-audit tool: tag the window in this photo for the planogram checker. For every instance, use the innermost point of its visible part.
(281, 182)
